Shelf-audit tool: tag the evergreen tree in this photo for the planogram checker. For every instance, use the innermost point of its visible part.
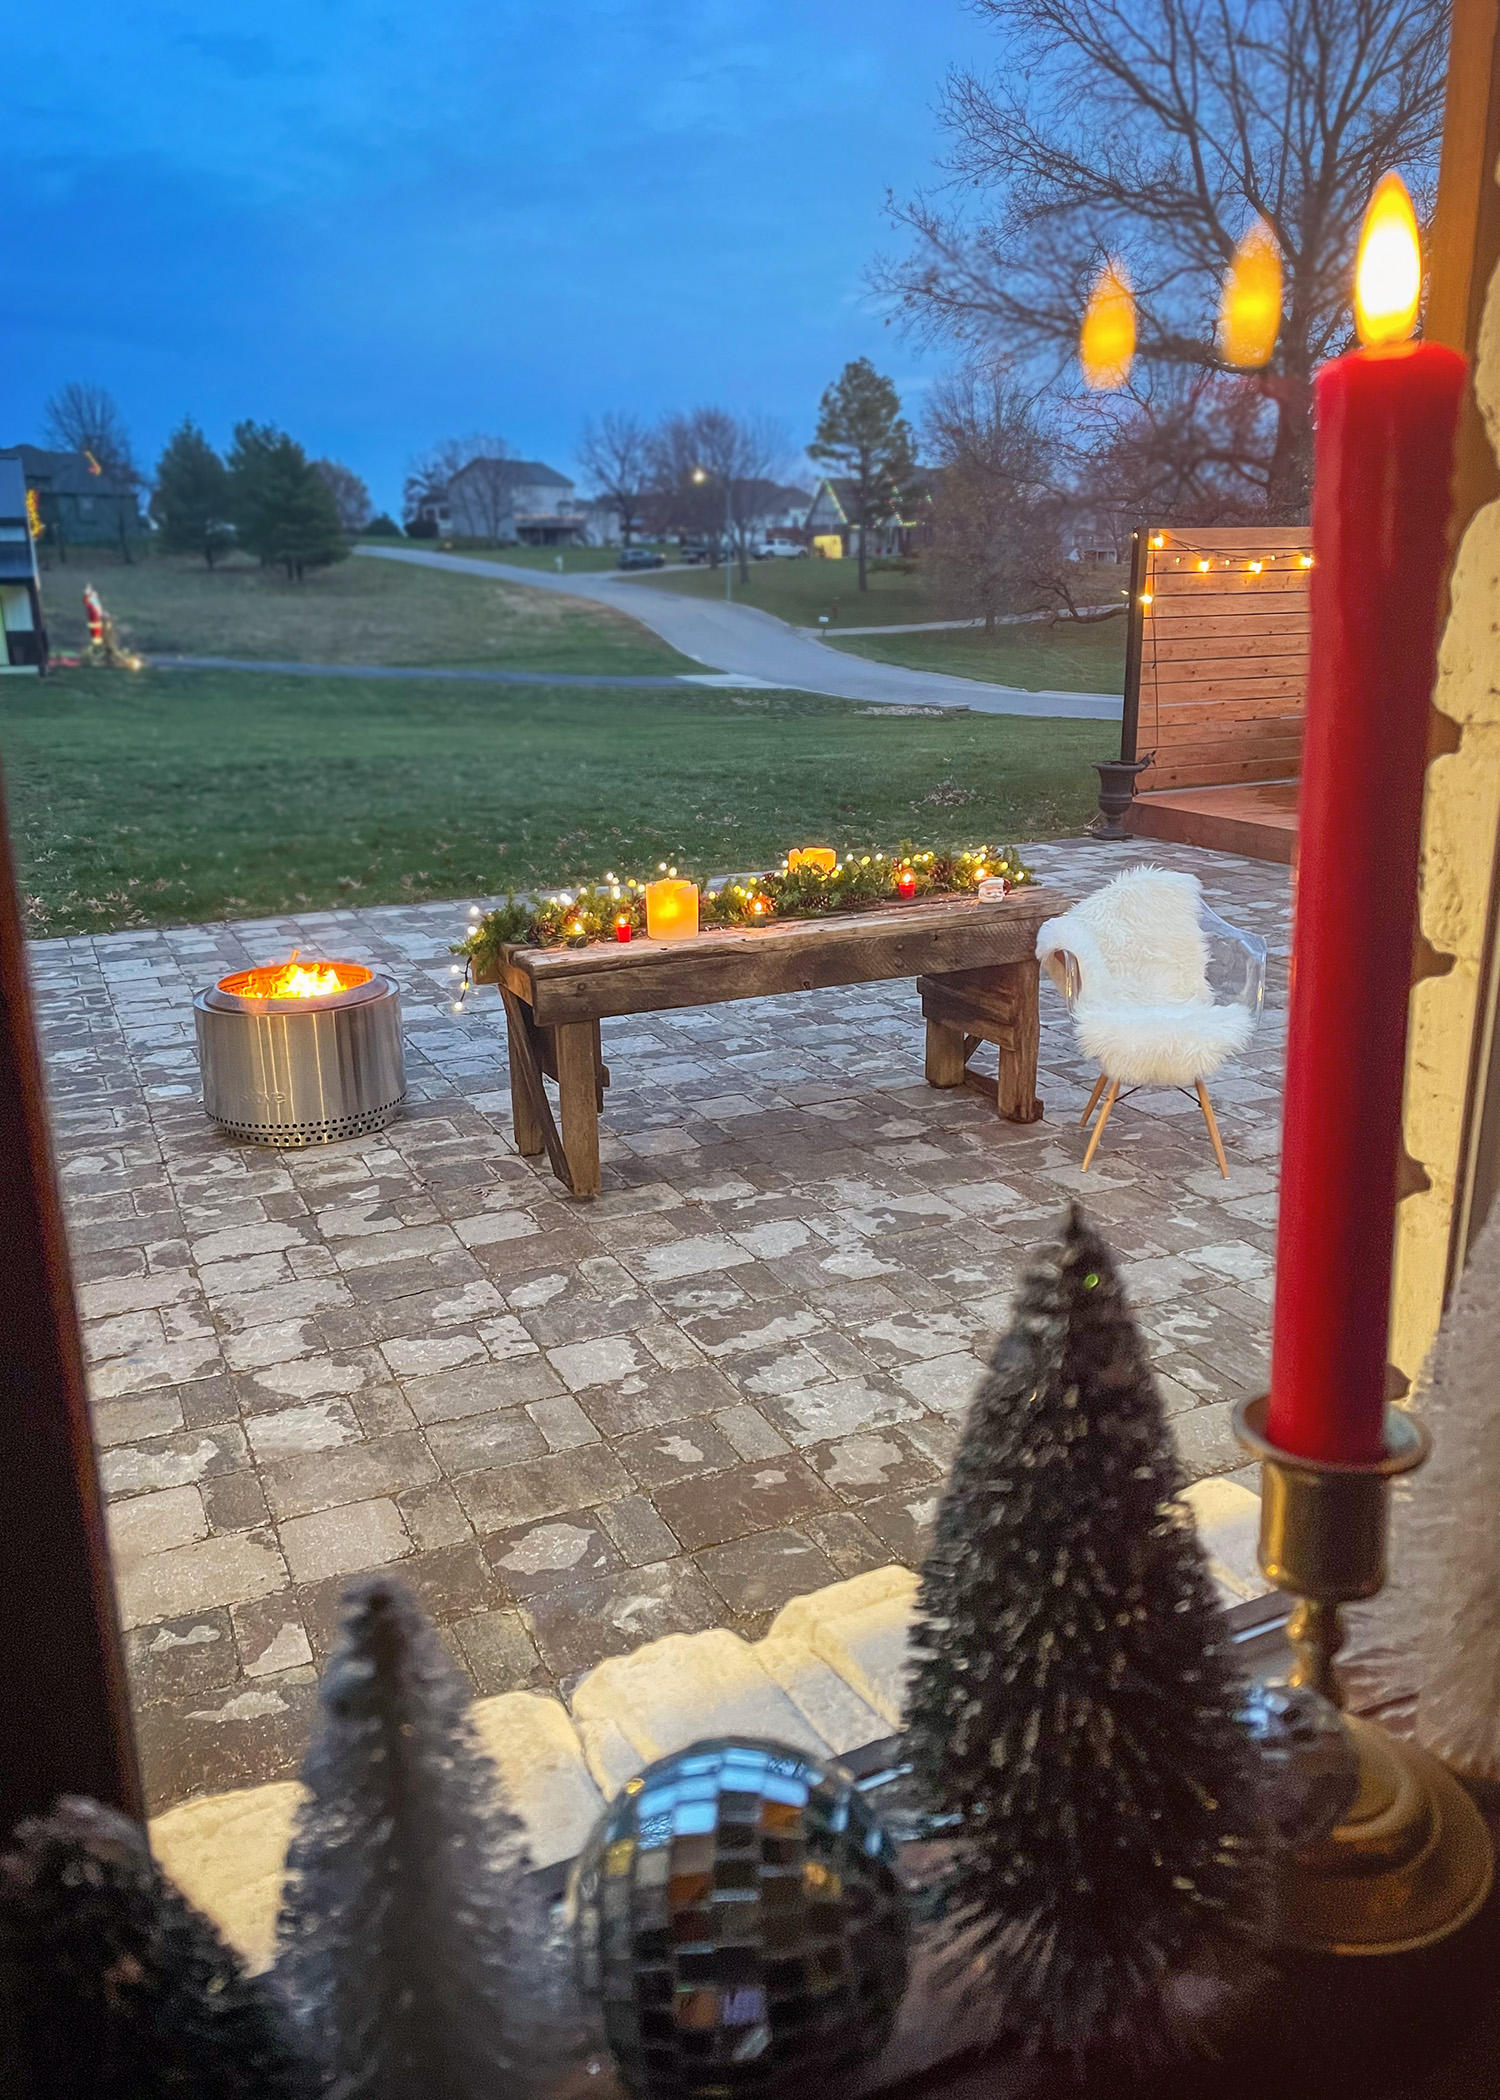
(1073, 1700)
(190, 502)
(863, 436)
(410, 1920)
(112, 1987)
(284, 511)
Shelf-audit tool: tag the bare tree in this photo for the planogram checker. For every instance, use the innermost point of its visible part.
(1003, 500)
(84, 418)
(483, 496)
(615, 454)
(1158, 130)
(351, 498)
(714, 469)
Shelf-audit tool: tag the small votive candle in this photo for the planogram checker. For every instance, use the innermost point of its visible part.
(671, 909)
(823, 858)
(623, 928)
(906, 883)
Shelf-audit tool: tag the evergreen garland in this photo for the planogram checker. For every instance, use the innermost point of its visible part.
(412, 1942)
(592, 911)
(1073, 1701)
(112, 1987)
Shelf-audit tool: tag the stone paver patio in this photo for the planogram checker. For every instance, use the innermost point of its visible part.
(735, 1377)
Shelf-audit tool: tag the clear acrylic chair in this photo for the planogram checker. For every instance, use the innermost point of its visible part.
(1161, 990)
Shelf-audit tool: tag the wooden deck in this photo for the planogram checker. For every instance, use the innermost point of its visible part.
(1258, 819)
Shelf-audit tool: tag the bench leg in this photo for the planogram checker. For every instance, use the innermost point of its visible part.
(578, 1098)
(946, 1057)
(1015, 1094)
(523, 1120)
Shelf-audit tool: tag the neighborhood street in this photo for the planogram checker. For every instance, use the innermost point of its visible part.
(746, 643)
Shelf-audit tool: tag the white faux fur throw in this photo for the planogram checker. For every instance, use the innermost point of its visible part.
(1144, 1011)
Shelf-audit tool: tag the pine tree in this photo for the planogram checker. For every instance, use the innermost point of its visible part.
(863, 434)
(1072, 1699)
(284, 511)
(409, 1921)
(190, 502)
(112, 1987)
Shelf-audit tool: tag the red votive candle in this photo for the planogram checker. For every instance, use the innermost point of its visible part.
(906, 883)
(1386, 418)
(623, 929)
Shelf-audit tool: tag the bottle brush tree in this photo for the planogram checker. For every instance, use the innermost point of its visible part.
(410, 1939)
(1073, 1703)
(112, 1987)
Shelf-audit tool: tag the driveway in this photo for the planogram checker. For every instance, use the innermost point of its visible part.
(744, 644)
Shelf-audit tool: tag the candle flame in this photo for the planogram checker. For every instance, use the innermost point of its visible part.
(1250, 310)
(1388, 273)
(1106, 342)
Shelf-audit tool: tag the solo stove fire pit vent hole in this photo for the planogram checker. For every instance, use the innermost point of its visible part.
(301, 1053)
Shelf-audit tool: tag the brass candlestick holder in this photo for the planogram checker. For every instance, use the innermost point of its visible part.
(1412, 1859)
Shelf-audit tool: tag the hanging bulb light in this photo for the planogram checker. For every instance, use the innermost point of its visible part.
(1106, 342)
(1250, 310)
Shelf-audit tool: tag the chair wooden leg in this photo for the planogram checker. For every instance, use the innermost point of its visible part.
(1099, 1085)
(1109, 1102)
(1213, 1129)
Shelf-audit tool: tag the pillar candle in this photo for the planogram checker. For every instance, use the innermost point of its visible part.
(1386, 418)
(671, 909)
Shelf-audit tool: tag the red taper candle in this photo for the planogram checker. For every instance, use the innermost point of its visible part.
(1386, 418)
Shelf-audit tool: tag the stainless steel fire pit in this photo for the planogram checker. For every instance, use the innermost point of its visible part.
(301, 1053)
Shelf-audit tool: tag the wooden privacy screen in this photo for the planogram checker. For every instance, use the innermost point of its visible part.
(1216, 664)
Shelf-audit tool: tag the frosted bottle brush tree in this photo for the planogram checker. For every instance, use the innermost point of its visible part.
(1072, 1702)
(412, 1942)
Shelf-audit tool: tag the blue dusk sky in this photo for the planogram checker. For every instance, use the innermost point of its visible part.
(379, 225)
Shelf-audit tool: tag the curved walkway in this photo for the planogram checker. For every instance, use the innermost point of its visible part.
(745, 643)
(648, 680)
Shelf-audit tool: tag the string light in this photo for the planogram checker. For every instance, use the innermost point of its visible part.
(1145, 597)
(1204, 567)
(1255, 567)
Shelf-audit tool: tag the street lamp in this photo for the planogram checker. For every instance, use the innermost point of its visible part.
(700, 475)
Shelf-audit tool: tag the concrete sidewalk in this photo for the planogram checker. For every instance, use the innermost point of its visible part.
(744, 641)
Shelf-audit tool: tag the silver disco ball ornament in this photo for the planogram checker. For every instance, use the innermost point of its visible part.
(740, 1925)
(1309, 1767)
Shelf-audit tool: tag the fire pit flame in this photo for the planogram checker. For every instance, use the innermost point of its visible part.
(295, 980)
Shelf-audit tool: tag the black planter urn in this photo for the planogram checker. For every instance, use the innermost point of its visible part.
(1116, 793)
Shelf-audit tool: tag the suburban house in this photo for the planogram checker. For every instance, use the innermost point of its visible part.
(1098, 537)
(830, 517)
(81, 503)
(507, 501)
(23, 637)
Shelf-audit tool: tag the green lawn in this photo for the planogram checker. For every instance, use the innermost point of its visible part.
(172, 797)
(1040, 658)
(360, 611)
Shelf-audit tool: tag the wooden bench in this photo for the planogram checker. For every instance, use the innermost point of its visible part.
(974, 961)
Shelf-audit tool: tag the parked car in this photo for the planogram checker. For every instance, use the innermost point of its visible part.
(695, 552)
(781, 550)
(641, 558)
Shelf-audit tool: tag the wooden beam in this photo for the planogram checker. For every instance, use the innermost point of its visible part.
(65, 1723)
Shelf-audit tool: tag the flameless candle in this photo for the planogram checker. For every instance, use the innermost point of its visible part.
(1386, 417)
(671, 910)
(823, 858)
(623, 928)
(906, 883)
